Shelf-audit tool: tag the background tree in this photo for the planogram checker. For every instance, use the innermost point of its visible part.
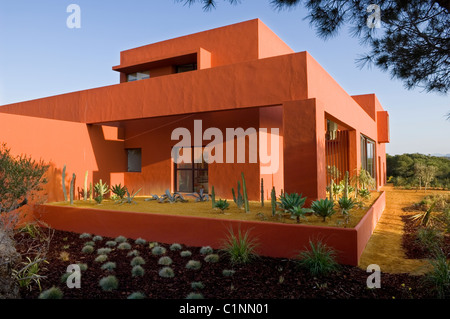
(413, 43)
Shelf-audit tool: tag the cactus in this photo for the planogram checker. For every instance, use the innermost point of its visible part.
(262, 192)
(85, 185)
(239, 200)
(101, 189)
(273, 199)
(213, 197)
(346, 185)
(244, 191)
(72, 182)
(64, 183)
(331, 190)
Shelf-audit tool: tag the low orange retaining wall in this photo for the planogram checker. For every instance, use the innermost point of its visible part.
(275, 239)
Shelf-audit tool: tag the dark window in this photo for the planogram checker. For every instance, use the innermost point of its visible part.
(134, 159)
(186, 67)
(368, 155)
(191, 177)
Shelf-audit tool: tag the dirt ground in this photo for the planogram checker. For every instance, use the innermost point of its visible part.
(385, 246)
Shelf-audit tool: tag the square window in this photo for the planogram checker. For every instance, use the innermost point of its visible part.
(134, 159)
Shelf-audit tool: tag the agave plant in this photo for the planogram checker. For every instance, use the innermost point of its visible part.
(222, 204)
(364, 193)
(346, 204)
(299, 212)
(200, 196)
(101, 189)
(289, 201)
(171, 198)
(129, 198)
(119, 190)
(323, 208)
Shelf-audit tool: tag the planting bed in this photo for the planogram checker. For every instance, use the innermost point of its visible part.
(269, 278)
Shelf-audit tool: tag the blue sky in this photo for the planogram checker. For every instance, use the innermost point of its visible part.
(40, 56)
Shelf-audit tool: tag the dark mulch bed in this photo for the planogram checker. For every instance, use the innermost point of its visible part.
(412, 246)
(265, 278)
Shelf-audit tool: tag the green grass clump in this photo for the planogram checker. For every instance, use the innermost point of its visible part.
(101, 258)
(97, 238)
(89, 243)
(133, 253)
(140, 241)
(165, 261)
(212, 258)
(87, 249)
(83, 267)
(206, 250)
(136, 261)
(319, 259)
(439, 275)
(110, 265)
(193, 265)
(240, 248)
(185, 253)
(120, 239)
(175, 247)
(136, 295)
(111, 243)
(109, 283)
(197, 285)
(52, 293)
(85, 236)
(429, 238)
(166, 272)
(124, 246)
(64, 277)
(228, 272)
(137, 271)
(195, 295)
(103, 251)
(158, 250)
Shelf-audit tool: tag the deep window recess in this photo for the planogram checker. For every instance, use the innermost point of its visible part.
(186, 67)
(368, 155)
(138, 76)
(134, 159)
(192, 176)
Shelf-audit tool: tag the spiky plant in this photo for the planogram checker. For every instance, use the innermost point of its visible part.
(97, 238)
(323, 208)
(111, 243)
(101, 258)
(101, 189)
(222, 204)
(133, 253)
(194, 295)
(140, 241)
(205, 250)
(166, 272)
(136, 295)
(289, 201)
(197, 285)
(110, 265)
(83, 267)
(89, 243)
(87, 249)
(52, 293)
(346, 204)
(103, 251)
(185, 253)
(165, 261)
(299, 212)
(119, 190)
(137, 271)
(109, 283)
(319, 259)
(175, 247)
(439, 275)
(240, 248)
(193, 265)
(211, 258)
(120, 239)
(137, 261)
(85, 235)
(228, 272)
(158, 251)
(124, 246)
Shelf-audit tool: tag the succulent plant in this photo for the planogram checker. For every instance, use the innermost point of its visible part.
(101, 258)
(109, 283)
(118, 190)
(200, 196)
(89, 243)
(185, 253)
(166, 272)
(120, 239)
(111, 243)
(88, 249)
(83, 267)
(110, 265)
(124, 246)
(140, 241)
(137, 271)
(137, 261)
(52, 293)
(158, 251)
(195, 295)
(222, 204)
(323, 208)
(212, 258)
(228, 272)
(165, 261)
(175, 247)
(103, 251)
(97, 238)
(136, 295)
(197, 285)
(206, 250)
(171, 198)
(133, 253)
(193, 265)
(85, 235)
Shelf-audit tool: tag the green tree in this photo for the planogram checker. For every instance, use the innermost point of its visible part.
(413, 44)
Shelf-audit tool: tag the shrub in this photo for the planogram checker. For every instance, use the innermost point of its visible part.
(120, 239)
(119, 190)
(134, 253)
(85, 236)
(439, 276)
(319, 259)
(89, 243)
(430, 238)
(97, 238)
(175, 247)
(240, 249)
(166, 272)
(197, 285)
(228, 272)
(52, 293)
(195, 295)
(323, 208)
(193, 265)
(64, 277)
(111, 243)
(165, 261)
(221, 204)
(158, 250)
(101, 258)
(185, 253)
(124, 246)
(87, 249)
(289, 201)
(212, 258)
(110, 265)
(83, 267)
(137, 271)
(137, 261)
(109, 283)
(206, 250)
(103, 251)
(140, 241)
(136, 295)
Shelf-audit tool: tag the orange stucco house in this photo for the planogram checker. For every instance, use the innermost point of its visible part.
(237, 76)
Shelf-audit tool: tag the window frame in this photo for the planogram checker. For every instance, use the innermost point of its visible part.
(128, 160)
(365, 142)
(193, 169)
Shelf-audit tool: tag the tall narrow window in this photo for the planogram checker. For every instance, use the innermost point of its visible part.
(368, 155)
(134, 159)
(193, 176)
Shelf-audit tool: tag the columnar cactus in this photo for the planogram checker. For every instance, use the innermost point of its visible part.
(273, 199)
(262, 192)
(346, 185)
(72, 182)
(63, 180)
(213, 197)
(238, 199)
(244, 191)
